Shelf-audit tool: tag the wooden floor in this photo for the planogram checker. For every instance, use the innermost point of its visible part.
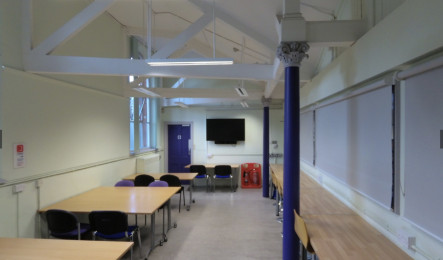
(336, 231)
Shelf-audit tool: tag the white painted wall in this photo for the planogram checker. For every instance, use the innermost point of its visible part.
(251, 150)
(76, 137)
(410, 32)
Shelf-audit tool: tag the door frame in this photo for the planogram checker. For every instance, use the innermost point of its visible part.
(166, 135)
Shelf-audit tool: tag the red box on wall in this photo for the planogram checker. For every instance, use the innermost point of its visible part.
(251, 176)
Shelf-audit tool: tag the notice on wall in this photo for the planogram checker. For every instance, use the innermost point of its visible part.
(19, 155)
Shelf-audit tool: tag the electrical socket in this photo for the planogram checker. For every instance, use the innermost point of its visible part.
(320, 179)
(411, 243)
(18, 188)
(406, 239)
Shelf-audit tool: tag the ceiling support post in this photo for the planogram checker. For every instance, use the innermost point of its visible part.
(265, 177)
(291, 54)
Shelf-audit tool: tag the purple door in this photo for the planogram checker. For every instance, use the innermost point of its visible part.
(179, 152)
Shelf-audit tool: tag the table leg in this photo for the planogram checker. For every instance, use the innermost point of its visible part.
(43, 226)
(153, 242)
(169, 217)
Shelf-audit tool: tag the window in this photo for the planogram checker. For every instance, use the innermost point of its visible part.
(142, 110)
(140, 124)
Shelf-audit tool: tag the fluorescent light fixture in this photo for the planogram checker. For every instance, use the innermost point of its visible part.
(241, 92)
(244, 104)
(188, 62)
(145, 91)
(181, 104)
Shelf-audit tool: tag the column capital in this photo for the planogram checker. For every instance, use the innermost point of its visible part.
(292, 53)
(266, 101)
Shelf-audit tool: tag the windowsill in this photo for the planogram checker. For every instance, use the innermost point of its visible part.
(143, 152)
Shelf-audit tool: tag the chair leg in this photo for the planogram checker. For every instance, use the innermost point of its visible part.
(163, 223)
(184, 197)
(78, 231)
(179, 202)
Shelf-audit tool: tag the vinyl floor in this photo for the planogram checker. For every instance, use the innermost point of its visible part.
(221, 225)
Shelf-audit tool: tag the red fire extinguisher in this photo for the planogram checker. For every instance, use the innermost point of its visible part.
(254, 177)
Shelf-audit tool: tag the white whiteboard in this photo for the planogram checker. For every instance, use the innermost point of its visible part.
(353, 143)
(307, 137)
(423, 161)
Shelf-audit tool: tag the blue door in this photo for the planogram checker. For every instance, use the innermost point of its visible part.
(179, 152)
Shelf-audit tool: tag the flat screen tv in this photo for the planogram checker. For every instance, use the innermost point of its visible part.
(225, 130)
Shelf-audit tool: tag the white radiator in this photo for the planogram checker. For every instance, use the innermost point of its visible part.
(148, 164)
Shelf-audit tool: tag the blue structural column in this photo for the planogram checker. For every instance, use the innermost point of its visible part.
(265, 177)
(291, 54)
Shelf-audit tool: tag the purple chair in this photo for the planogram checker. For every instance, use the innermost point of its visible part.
(161, 184)
(158, 184)
(124, 183)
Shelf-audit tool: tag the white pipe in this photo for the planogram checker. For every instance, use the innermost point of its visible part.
(213, 29)
(427, 66)
(149, 28)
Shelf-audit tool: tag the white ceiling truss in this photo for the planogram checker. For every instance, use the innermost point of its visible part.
(38, 59)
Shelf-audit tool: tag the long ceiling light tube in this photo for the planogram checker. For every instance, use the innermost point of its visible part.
(188, 62)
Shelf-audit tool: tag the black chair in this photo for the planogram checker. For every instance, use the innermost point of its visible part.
(223, 172)
(143, 180)
(113, 225)
(201, 170)
(65, 225)
(174, 181)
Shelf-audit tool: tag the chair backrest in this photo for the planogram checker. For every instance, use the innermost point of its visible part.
(108, 222)
(143, 180)
(124, 183)
(158, 184)
(223, 170)
(172, 180)
(200, 169)
(302, 232)
(61, 221)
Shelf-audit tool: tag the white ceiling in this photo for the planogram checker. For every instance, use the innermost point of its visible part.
(245, 30)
